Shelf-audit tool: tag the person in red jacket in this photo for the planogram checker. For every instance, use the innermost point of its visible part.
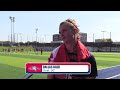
(72, 50)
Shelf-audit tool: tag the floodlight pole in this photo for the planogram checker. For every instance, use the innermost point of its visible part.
(93, 42)
(11, 29)
(103, 35)
(110, 41)
(36, 37)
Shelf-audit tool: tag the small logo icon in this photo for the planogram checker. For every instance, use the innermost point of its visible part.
(34, 68)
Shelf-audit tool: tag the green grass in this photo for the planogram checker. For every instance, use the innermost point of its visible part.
(107, 59)
(12, 66)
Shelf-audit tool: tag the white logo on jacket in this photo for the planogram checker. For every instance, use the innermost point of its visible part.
(54, 52)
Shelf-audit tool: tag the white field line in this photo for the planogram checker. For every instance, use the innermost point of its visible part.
(108, 67)
(113, 76)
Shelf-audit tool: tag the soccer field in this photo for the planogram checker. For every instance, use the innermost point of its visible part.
(107, 59)
(12, 66)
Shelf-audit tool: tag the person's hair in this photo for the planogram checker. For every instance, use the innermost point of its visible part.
(72, 24)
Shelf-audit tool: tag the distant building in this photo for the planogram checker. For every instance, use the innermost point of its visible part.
(56, 37)
(98, 40)
(83, 37)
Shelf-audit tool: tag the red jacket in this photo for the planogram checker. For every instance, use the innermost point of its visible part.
(59, 55)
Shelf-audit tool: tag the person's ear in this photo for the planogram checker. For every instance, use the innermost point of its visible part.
(75, 30)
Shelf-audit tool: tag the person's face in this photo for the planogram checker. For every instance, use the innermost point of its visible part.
(65, 33)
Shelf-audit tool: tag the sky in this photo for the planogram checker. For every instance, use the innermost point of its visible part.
(47, 23)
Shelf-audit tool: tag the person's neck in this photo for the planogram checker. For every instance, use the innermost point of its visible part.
(70, 45)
